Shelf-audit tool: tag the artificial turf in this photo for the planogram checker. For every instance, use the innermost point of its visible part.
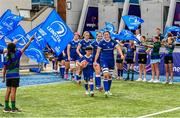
(129, 99)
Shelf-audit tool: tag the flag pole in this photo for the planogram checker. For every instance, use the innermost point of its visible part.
(125, 12)
(170, 17)
(83, 16)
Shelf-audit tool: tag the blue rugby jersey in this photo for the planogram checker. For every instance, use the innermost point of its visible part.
(88, 70)
(83, 43)
(130, 51)
(74, 45)
(13, 65)
(142, 48)
(107, 49)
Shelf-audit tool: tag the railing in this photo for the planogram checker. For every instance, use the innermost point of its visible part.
(43, 2)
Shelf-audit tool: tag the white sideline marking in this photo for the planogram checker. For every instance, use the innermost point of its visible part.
(165, 111)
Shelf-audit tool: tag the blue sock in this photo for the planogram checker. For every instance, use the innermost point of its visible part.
(109, 84)
(96, 82)
(91, 85)
(121, 73)
(98, 79)
(86, 86)
(77, 77)
(62, 70)
(106, 85)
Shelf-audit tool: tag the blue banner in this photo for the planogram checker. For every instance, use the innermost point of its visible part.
(39, 40)
(8, 23)
(35, 54)
(18, 34)
(3, 44)
(56, 32)
(91, 23)
(127, 35)
(35, 50)
(176, 64)
(132, 22)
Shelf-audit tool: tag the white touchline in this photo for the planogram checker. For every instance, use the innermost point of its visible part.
(165, 111)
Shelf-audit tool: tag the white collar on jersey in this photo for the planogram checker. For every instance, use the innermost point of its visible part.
(75, 40)
(106, 40)
(86, 40)
(97, 41)
(87, 56)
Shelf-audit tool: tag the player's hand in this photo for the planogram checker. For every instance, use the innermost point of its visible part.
(80, 56)
(64, 54)
(32, 38)
(95, 63)
(15, 41)
(69, 59)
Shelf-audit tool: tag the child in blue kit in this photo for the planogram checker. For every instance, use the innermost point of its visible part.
(86, 64)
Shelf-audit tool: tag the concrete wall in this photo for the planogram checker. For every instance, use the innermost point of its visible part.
(73, 15)
(28, 25)
(14, 5)
(108, 13)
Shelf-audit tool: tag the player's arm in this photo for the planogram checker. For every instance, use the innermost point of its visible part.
(134, 54)
(4, 73)
(120, 51)
(27, 45)
(68, 51)
(78, 50)
(97, 55)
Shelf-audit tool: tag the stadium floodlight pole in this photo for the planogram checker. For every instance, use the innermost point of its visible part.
(125, 12)
(170, 17)
(83, 16)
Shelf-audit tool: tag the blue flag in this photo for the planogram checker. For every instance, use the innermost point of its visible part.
(56, 32)
(35, 54)
(2, 44)
(6, 12)
(35, 50)
(39, 40)
(18, 34)
(93, 33)
(8, 23)
(109, 27)
(171, 29)
(132, 22)
(127, 35)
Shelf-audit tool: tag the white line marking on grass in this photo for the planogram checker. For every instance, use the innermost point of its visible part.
(161, 112)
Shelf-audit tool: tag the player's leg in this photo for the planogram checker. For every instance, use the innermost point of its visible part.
(157, 71)
(8, 92)
(171, 73)
(97, 70)
(152, 72)
(62, 68)
(132, 71)
(118, 70)
(67, 67)
(121, 70)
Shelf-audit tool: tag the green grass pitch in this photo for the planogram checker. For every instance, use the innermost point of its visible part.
(129, 99)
